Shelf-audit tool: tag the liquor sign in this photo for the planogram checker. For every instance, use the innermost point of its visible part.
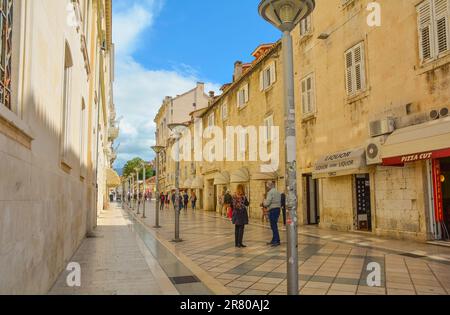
(438, 204)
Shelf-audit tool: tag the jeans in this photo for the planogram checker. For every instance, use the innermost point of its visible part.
(239, 234)
(274, 216)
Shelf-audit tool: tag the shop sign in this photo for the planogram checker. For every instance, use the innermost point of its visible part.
(415, 157)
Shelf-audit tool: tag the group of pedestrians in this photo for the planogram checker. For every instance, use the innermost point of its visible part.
(170, 197)
(274, 205)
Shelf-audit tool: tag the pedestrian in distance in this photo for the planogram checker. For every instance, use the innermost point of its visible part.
(185, 200)
(167, 199)
(240, 219)
(273, 204)
(227, 201)
(194, 201)
(162, 201)
(173, 199)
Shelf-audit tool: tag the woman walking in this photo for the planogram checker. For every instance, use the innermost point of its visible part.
(240, 215)
(193, 201)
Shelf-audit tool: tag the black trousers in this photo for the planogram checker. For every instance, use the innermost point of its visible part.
(239, 234)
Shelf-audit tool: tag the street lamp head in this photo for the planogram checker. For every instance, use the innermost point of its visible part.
(177, 129)
(158, 149)
(285, 14)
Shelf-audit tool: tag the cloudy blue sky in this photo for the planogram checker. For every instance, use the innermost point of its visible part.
(163, 47)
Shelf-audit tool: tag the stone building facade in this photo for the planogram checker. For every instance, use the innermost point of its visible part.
(373, 129)
(56, 113)
(365, 98)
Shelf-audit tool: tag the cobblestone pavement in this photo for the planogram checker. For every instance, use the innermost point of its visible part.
(330, 262)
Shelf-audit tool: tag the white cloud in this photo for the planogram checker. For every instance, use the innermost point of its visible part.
(139, 91)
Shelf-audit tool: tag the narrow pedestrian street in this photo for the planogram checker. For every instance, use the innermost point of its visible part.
(129, 256)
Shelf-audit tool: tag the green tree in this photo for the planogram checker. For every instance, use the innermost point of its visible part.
(130, 168)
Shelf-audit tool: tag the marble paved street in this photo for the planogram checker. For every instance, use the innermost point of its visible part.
(122, 258)
(330, 262)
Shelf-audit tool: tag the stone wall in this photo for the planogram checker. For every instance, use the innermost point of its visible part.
(336, 200)
(400, 199)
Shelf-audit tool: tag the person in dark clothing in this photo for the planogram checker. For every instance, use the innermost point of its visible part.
(194, 201)
(185, 200)
(173, 199)
(283, 208)
(162, 201)
(240, 215)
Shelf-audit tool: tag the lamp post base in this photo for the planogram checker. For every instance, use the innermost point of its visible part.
(157, 226)
(177, 240)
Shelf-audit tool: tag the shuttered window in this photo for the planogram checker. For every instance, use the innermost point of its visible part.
(268, 123)
(267, 77)
(6, 21)
(305, 26)
(355, 69)
(224, 111)
(242, 96)
(434, 29)
(308, 95)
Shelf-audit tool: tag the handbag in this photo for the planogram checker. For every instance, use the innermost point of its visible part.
(230, 213)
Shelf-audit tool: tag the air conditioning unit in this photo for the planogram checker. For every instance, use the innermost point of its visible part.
(382, 127)
(434, 114)
(373, 150)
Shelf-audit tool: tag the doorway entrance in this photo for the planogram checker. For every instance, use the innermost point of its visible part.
(312, 199)
(445, 179)
(441, 193)
(363, 203)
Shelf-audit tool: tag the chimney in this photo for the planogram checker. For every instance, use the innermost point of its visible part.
(201, 87)
(237, 71)
(211, 94)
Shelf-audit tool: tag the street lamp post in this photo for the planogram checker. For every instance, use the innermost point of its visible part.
(132, 191)
(177, 130)
(138, 199)
(285, 15)
(158, 150)
(143, 190)
(129, 192)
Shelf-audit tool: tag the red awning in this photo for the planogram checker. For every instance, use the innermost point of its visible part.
(403, 159)
(421, 142)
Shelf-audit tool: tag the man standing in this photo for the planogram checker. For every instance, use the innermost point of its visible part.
(273, 204)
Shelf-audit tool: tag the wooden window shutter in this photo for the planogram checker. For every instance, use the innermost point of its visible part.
(359, 78)
(261, 81)
(304, 98)
(349, 71)
(424, 11)
(273, 73)
(442, 25)
(246, 96)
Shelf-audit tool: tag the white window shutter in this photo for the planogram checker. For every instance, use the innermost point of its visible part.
(312, 95)
(273, 73)
(442, 25)
(359, 67)
(246, 96)
(424, 12)
(304, 104)
(261, 81)
(349, 71)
